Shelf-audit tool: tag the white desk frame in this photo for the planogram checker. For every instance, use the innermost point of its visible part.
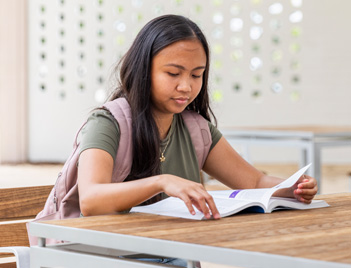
(99, 249)
(309, 142)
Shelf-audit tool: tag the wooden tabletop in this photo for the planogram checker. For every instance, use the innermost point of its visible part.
(319, 234)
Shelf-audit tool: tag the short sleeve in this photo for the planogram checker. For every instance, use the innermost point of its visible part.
(215, 134)
(101, 132)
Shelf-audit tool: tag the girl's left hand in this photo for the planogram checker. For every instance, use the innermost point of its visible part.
(305, 189)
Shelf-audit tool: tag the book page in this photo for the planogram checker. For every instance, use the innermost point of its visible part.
(292, 179)
(256, 195)
(247, 194)
(175, 207)
(228, 201)
(277, 203)
(228, 207)
(170, 206)
(261, 195)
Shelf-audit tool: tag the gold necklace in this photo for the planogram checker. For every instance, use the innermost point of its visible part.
(163, 158)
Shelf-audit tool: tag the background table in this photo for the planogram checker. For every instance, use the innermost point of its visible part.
(319, 238)
(309, 139)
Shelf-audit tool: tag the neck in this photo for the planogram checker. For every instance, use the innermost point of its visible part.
(164, 124)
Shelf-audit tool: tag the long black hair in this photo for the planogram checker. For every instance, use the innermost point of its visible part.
(135, 85)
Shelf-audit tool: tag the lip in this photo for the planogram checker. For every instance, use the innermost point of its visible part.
(181, 100)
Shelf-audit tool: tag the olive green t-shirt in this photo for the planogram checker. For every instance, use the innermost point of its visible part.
(102, 132)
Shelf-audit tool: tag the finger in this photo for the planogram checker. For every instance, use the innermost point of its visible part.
(200, 201)
(210, 204)
(303, 178)
(213, 207)
(196, 205)
(206, 205)
(307, 197)
(307, 178)
(200, 198)
(307, 184)
(309, 192)
(303, 199)
(188, 204)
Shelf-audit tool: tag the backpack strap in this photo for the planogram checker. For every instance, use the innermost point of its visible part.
(120, 109)
(200, 134)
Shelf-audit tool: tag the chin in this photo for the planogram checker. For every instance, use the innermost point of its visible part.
(179, 110)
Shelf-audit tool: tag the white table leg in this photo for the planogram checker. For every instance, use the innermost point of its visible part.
(313, 155)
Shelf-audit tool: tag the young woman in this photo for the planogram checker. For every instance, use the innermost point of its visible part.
(164, 73)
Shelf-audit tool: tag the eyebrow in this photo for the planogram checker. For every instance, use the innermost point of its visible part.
(183, 68)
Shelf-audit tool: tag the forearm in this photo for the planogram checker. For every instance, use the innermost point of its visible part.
(267, 181)
(226, 165)
(107, 198)
(270, 181)
(98, 195)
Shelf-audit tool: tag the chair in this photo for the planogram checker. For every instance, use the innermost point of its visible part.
(21, 254)
(18, 206)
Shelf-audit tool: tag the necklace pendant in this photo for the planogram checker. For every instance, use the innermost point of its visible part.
(162, 158)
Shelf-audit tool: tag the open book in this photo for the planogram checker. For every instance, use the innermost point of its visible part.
(229, 202)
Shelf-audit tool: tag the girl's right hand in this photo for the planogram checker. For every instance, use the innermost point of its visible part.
(191, 193)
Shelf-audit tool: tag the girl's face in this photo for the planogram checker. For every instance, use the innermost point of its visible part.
(176, 76)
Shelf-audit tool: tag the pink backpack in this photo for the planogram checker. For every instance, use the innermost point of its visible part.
(63, 200)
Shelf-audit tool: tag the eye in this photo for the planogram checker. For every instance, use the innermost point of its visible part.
(197, 76)
(173, 74)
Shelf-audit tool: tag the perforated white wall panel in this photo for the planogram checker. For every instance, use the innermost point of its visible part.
(73, 45)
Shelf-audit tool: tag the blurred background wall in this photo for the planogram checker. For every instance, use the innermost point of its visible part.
(273, 63)
(13, 81)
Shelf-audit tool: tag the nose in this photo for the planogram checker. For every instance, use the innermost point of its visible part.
(184, 85)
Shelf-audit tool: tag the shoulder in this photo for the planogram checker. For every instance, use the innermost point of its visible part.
(215, 134)
(101, 121)
(101, 132)
(101, 116)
